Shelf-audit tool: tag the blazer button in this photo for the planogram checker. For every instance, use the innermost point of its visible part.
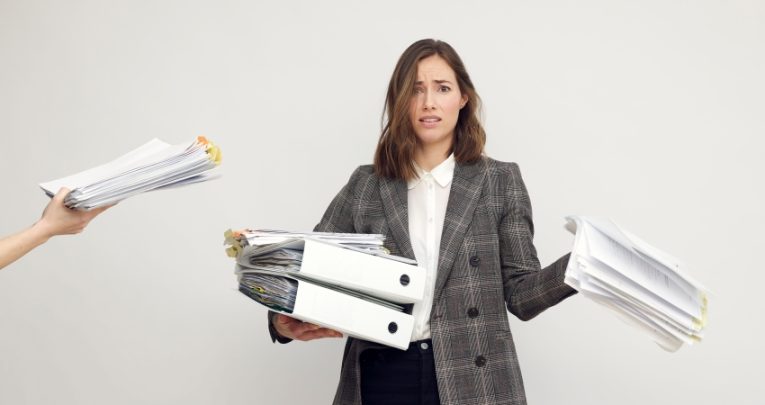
(473, 312)
(480, 361)
(474, 261)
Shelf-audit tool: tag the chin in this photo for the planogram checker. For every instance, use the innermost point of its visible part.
(433, 142)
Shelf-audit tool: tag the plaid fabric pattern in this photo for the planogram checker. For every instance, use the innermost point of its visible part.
(487, 266)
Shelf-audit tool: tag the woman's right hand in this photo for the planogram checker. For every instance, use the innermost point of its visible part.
(298, 330)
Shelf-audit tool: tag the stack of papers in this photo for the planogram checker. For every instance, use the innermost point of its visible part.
(276, 292)
(347, 282)
(153, 166)
(237, 240)
(644, 285)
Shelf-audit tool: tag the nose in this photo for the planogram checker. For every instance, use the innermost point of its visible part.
(428, 101)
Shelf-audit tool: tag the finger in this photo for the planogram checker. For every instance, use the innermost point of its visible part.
(319, 334)
(300, 328)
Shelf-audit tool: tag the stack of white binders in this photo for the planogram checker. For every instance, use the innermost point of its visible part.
(346, 282)
(643, 284)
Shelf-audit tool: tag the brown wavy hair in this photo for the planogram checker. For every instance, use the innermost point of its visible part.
(394, 157)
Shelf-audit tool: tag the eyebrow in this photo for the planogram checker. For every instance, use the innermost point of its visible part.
(437, 81)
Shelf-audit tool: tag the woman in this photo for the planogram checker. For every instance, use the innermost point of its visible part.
(466, 219)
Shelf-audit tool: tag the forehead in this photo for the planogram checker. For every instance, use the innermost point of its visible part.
(434, 68)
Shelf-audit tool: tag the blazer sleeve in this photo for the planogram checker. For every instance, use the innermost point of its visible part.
(529, 289)
(339, 215)
(337, 218)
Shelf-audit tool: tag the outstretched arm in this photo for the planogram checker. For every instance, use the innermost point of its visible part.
(56, 219)
(529, 289)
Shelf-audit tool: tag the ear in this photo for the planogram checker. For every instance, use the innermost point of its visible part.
(464, 101)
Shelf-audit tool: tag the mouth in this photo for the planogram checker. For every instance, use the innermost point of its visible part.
(429, 121)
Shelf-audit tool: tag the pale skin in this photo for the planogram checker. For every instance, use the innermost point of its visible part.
(433, 111)
(56, 219)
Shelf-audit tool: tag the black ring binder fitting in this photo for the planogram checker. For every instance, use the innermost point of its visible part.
(392, 327)
(404, 280)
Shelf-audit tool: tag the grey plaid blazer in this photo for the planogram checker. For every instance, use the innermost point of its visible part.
(487, 265)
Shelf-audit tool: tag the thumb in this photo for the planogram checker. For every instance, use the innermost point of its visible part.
(61, 194)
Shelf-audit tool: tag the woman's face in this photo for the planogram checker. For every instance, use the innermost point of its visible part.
(436, 103)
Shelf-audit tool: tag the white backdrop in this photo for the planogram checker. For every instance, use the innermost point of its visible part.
(648, 112)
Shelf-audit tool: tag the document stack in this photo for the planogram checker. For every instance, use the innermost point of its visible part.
(250, 237)
(346, 282)
(644, 285)
(155, 165)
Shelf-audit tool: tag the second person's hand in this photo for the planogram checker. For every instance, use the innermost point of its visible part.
(298, 330)
(57, 219)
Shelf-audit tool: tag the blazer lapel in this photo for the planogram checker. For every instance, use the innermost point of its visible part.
(463, 199)
(394, 199)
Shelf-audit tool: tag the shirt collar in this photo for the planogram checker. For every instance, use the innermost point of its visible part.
(443, 173)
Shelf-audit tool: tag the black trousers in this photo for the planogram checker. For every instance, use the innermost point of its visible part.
(392, 376)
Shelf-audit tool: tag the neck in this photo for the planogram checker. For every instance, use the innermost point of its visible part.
(430, 156)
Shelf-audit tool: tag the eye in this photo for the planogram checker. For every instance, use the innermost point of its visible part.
(419, 90)
(444, 89)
